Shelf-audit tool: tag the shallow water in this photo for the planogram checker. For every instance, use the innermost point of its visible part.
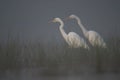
(37, 74)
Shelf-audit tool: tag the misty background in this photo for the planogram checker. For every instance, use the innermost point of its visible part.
(28, 19)
(47, 56)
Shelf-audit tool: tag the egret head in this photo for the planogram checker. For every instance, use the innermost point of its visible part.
(56, 20)
(72, 16)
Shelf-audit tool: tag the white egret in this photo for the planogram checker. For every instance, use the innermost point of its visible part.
(93, 37)
(73, 39)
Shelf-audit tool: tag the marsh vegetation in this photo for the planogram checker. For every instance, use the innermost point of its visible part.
(58, 60)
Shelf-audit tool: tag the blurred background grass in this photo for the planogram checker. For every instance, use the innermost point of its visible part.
(60, 59)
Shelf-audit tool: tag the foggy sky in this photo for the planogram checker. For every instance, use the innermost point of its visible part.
(28, 19)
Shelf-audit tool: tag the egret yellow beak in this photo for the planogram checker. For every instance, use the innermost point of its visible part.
(51, 21)
(67, 18)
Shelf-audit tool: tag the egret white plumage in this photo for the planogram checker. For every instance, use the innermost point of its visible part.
(93, 37)
(72, 39)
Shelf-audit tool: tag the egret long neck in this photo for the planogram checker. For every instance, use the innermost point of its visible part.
(81, 26)
(62, 30)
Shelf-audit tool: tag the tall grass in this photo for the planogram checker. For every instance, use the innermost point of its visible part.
(15, 55)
